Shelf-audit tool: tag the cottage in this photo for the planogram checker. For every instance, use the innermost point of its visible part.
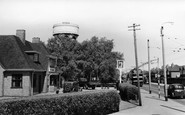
(25, 68)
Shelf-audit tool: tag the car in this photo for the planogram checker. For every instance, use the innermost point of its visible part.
(176, 90)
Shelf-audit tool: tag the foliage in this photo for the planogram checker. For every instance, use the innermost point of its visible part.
(91, 58)
(66, 50)
(128, 91)
(101, 59)
(79, 103)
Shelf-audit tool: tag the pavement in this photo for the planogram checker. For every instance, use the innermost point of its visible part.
(151, 105)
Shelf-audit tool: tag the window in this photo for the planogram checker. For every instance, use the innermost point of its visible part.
(52, 62)
(17, 81)
(53, 80)
(36, 58)
(179, 86)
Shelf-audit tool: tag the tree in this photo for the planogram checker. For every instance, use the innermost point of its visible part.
(66, 50)
(91, 58)
(102, 59)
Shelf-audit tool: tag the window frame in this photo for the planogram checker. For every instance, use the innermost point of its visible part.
(17, 81)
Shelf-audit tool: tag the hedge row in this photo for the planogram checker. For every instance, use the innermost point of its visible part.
(128, 91)
(78, 103)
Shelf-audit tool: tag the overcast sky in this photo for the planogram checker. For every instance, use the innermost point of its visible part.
(104, 18)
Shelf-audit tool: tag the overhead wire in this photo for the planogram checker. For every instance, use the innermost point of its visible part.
(177, 42)
(178, 49)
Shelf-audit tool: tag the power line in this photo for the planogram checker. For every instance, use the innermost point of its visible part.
(174, 40)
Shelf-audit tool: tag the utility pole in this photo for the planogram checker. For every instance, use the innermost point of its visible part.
(136, 59)
(149, 67)
(164, 66)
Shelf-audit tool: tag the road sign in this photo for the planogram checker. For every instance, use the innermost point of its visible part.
(120, 64)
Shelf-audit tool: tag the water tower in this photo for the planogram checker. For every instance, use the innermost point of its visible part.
(66, 29)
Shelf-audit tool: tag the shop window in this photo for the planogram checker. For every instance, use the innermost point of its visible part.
(17, 81)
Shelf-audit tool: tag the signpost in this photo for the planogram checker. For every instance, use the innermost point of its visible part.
(120, 66)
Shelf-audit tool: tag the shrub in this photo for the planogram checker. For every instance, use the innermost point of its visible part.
(128, 91)
(78, 103)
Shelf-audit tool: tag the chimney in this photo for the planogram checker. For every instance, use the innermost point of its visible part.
(21, 34)
(36, 40)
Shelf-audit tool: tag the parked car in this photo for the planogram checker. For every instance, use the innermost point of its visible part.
(176, 90)
(87, 83)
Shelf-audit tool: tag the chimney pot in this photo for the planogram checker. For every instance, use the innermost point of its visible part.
(36, 40)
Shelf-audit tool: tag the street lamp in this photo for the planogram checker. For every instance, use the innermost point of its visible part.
(164, 65)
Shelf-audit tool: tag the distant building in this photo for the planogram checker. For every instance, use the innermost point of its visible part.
(173, 71)
(26, 68)
(175, 74)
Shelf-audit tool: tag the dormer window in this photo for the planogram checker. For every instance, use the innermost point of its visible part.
(36, 58)
(34, 55)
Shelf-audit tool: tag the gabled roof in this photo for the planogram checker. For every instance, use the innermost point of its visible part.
(13, 55)
(174, 68)
(40, 47)
(44, 55)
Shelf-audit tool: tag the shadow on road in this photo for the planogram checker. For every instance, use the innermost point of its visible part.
(127, 105)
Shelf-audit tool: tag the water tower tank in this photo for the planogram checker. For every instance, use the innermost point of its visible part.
(66, 29)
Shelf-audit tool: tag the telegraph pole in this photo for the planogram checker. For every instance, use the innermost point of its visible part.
(149, 67)
(164, 66)
(136, 59)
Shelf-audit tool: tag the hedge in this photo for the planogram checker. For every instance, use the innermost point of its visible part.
(99, 102)
(128, 91)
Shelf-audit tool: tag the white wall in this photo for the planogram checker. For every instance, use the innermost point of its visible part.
(26, 83)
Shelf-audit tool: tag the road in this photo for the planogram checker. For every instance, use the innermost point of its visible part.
(154, 89)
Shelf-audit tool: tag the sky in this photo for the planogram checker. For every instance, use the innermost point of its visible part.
(105, 18)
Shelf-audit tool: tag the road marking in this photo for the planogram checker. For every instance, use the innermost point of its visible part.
(173, 108)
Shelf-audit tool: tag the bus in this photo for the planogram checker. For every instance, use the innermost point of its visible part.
(132, 77)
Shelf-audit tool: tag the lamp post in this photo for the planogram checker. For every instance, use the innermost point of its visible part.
(164, 64)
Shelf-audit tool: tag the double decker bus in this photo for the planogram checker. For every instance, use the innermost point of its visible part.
(132, 77)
